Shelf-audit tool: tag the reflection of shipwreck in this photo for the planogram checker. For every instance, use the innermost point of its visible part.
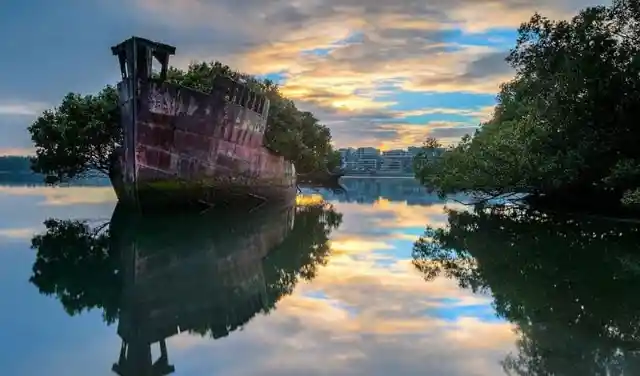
(158, 275)
(185, 146)
(190, 273)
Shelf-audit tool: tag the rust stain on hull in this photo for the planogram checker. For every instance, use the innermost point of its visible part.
(183, 146)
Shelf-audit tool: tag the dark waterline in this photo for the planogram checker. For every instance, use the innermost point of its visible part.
(332, 285)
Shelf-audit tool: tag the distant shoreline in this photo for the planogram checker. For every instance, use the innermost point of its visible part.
(404, 176)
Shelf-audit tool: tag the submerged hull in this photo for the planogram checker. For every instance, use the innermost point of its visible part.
(182, 146)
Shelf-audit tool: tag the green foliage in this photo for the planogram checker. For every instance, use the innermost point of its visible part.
(80, 134)
(428, 155)
(77, 137)
(566, 124)
(334, 160)
(631, 197)
(567, 283)
(75, 264)
(296, 135)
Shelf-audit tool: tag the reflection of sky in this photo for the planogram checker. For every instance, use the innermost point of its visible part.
(368, 312)
(38, 337)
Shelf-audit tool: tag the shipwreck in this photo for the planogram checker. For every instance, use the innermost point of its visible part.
(186, 147)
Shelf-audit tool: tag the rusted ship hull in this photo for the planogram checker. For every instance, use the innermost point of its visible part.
(182, 146)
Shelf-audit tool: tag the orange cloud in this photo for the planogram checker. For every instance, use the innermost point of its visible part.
(22, 152)
(343, 59)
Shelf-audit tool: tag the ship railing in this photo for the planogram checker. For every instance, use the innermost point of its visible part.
(239, 93)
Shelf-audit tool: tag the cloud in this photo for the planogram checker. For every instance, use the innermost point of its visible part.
(398, 135)
(481, 114)
(22, 152)
(17, 233)
(22, 108)
(481, 75)
(368, 52)
(364, 44)
(352, 62)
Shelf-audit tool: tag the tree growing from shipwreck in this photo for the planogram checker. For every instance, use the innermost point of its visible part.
(79, 135)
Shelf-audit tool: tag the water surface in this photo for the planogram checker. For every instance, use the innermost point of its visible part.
(332, 286)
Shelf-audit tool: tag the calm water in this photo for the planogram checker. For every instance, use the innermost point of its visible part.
(333, 286)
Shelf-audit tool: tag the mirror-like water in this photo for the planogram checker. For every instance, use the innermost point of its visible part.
(330, 285)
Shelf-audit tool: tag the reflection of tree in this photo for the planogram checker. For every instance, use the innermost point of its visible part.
(570, 284)
(75, 264)
(302, 251)
(207, 274)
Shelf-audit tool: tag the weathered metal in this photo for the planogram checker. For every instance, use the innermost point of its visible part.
(183, 146)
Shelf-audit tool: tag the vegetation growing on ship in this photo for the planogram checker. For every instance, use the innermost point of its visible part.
(566, 125)
(79, 135)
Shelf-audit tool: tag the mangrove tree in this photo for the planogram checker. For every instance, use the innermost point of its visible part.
(79, 135)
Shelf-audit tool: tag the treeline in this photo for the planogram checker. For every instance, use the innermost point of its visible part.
(17, 170)
(565, 127)
(10, 164)
(80, 134)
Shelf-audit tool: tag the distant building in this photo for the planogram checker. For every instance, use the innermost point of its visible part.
(368, 159)
(367, 153)
(348, 158)
(392, 165)
(350, 165)
(397, 153)
(396, 161)
(414, 150)
(367, 164)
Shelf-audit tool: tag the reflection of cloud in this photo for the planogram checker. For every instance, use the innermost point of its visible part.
(360, 316)
(392, 214)
(309, 199)
(56, 196)
(343, 244)
(410, 237)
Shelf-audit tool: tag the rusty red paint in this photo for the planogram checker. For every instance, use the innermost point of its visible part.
(173, 133)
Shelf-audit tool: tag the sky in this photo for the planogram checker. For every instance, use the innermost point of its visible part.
(383, 73)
